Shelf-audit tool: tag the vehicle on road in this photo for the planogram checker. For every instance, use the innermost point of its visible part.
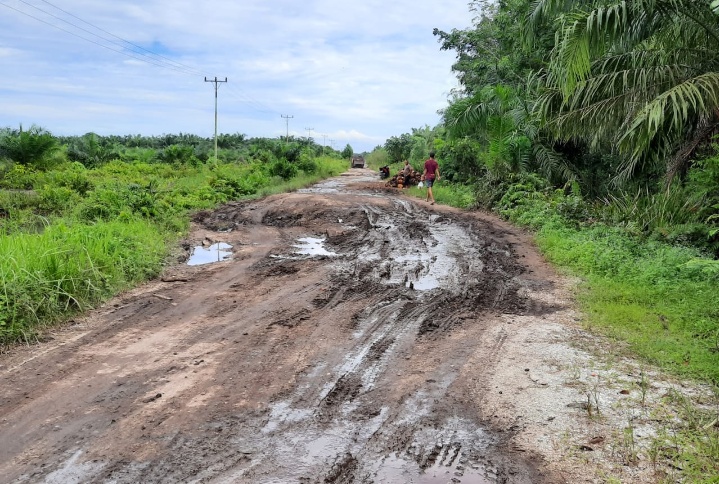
(357, 161)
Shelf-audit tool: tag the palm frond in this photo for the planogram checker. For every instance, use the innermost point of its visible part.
(552, 163)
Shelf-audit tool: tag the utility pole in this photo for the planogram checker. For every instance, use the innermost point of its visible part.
(287, 118)
(309, 134)
(217, 85)
(332, 144)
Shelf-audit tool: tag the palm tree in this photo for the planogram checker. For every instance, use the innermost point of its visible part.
(32, 147)
(638, 75)
(502, 120)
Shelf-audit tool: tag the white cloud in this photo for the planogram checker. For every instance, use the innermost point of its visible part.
(363, 71)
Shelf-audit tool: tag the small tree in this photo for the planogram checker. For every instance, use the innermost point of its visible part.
(30, 148)
(347, 152)
(398, 148)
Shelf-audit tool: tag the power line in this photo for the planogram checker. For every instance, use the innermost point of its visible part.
(120, 46)
(161, 61)
(253, 103)
(166, 66)
(179, 64)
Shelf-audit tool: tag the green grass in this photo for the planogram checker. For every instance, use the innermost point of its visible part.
(445, 193)
(649, 294)
(83, 235)
(48, 276)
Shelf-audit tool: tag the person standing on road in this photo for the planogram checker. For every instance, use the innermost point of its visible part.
(431, 174)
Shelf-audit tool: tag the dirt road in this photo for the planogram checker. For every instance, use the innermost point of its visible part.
(355, 335)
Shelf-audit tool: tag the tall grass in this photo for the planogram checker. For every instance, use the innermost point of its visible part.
(69, 268)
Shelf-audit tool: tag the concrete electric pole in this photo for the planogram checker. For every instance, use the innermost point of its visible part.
(309, 134)
(217, 84)
(287, 118)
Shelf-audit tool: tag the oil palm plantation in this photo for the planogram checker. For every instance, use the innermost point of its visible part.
(501, 119)
(637, 76)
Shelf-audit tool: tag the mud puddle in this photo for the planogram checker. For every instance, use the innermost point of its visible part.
(216, 252)
(312, 246)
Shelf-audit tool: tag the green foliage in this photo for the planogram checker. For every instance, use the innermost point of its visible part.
(347, 152)
(398, 147)
(140, 155)
(462, 160)
(70, 268)
(91, 150)
(283, 169)
(493, 52)
(377, 158)
(641, 76)
(178, 155)
(18, 177)
(33, 147)
(56, 199)
(73, 236)
(307, 163)
(454, 195)
(660, 298)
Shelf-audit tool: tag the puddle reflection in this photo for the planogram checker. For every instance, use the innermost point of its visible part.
(207, 255)
(312, 246)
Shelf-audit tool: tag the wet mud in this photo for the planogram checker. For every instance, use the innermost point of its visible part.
(338, 344)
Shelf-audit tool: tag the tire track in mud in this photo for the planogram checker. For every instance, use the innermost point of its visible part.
(410, 437)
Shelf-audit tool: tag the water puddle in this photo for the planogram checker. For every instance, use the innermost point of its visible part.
(312, 246)
(396, 469)
(328, 186)
(207, 255)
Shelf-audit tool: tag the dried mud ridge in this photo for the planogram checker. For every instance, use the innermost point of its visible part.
(358, 366)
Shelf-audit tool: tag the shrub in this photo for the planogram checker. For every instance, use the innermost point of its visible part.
(57, 199)
(19, 177)
(283, 169)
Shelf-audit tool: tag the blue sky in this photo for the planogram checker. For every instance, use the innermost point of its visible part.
(357, 72)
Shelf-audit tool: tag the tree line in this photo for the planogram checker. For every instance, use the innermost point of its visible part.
(614, 102)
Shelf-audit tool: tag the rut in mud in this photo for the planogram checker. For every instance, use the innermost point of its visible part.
(341, 343)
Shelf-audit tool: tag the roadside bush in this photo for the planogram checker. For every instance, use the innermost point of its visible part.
(108, 202)
(283, 169)
(377, 158)
(462, 161)
(74, 177)
(307, 163)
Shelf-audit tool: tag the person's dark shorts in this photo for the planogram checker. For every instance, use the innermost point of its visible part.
(428, 183)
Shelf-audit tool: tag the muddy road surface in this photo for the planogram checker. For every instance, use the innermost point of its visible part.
(353, 335)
